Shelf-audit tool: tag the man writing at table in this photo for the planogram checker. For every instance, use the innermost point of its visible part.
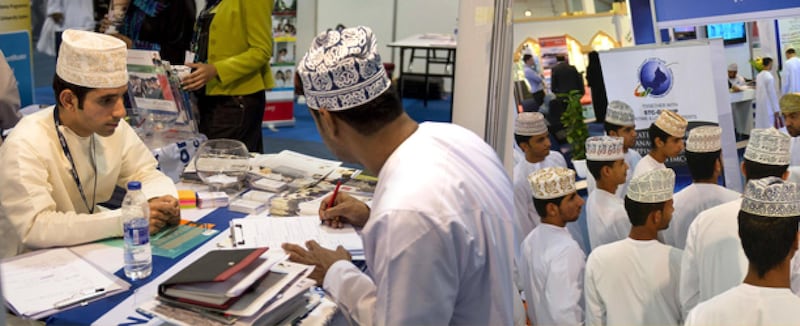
(60, 162)
(439, 238)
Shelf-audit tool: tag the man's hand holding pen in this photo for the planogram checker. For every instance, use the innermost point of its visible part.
(345, 209)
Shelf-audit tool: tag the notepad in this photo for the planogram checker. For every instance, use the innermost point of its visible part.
(44, 282)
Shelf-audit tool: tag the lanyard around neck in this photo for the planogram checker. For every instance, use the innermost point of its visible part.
(74, 171)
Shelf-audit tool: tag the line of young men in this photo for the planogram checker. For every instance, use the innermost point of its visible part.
(636, 279)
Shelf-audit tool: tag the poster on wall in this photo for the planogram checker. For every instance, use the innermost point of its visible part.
(550, 48)
(789, 34)
(280, 100)
(684, 78)
(16, 47)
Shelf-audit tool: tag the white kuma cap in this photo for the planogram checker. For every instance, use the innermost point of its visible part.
(771, 197)
(92, 60)
(768, 146)
(652, 187)
(553, 182)
(704, 139)
(604, 148)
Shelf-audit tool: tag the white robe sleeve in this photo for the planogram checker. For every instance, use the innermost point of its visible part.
(418, 274)
(689, 292)
(772, 97)
(31, 209)
(54, 6)
(595, 307)
(565, 288)
(138, 164)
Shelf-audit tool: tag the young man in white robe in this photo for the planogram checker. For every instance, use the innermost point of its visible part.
(791, 73)
(766, 97)
(666, 141)
(606, 218)
(439, 235)
(768, 231)
(42, 200)
(635, 281)
(704, 159)
(620, 122)
(530, 133)
(552, 263)
(713, 260)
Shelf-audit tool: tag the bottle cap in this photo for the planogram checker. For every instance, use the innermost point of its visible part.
(134, 185)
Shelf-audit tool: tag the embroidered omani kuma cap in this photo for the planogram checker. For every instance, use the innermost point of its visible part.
(652, 187)
(768, 146)
(790, 103)
(604, 148)
(530, 124)
(704, 139)
(553, 182)
(92, 60)
(771, 197)
(620, 113)
(733, 67)
(672, 123)
(342, 69)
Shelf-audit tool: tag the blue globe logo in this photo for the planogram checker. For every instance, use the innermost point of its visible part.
(655, 77)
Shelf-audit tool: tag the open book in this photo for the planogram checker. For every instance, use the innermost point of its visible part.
(45, 282)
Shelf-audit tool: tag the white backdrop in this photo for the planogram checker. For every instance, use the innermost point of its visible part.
(692, 82)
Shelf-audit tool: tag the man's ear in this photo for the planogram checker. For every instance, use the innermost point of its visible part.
(659, 143)
(552, 209)
(744, 172)
(329, 122)
(68, 100)
(656, 216)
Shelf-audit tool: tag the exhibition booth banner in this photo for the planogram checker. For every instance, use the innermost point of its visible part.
(687, 78)
(15, 42)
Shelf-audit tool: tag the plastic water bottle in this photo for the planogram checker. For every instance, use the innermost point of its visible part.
(136, 232)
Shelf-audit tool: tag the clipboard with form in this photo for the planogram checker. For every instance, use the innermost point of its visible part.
(45, 282)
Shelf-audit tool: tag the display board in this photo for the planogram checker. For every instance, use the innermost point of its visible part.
(15, 42)
(280, 100)
(789, 33)
(684, 78)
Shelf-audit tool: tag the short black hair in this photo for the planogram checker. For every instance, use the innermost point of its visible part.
(521, 139)
(595, 167)
(526, 57)
(369, 117)
(790, 51)
(59, 85)
(766, 61)
(541, 204)
(766, 240)
(755, 170)
(701, 165)
(609, 127)
(638, 212)
(561, 58)
(654, 132)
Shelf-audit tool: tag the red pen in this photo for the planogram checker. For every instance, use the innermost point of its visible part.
(335, 192)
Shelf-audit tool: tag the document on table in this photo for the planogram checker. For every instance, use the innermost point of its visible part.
(273, 231)
(44, 282)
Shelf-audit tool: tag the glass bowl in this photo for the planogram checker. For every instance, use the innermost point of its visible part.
(222, 163)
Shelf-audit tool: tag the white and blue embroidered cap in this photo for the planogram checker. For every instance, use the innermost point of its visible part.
(771, 197)
(768, 146)
(652, 187)
(92, 60)
(342, 69)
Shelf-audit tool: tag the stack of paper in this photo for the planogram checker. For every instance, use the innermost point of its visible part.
(45, 282)
(271, 299)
